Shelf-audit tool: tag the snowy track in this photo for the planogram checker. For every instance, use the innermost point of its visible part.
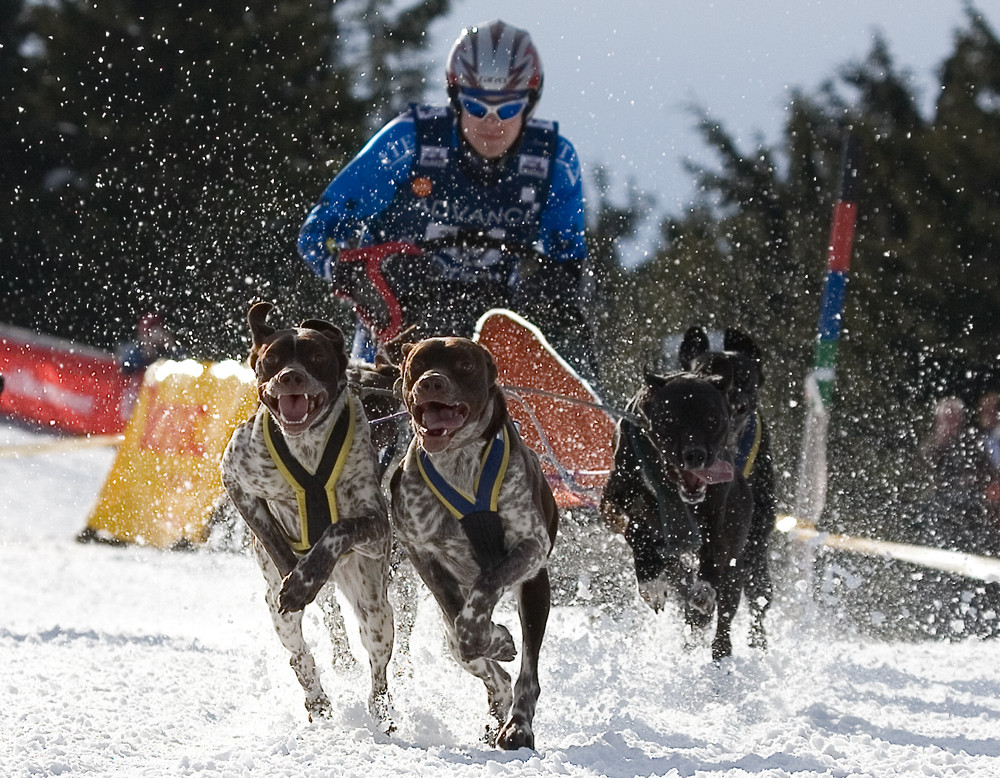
(136, 662)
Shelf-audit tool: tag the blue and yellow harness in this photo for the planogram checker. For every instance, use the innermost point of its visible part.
(477, 513)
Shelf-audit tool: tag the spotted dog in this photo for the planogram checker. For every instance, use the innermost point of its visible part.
(682, 506)
(474, 513)
(302, 474)
(750, 440)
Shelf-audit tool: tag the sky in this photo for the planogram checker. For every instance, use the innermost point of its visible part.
(620, 76)
(140, 663)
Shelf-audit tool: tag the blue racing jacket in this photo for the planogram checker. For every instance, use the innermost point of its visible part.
(348, 211)
(416, 181)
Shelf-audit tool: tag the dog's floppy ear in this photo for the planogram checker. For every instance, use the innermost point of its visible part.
(331, 331)
(695, 342)
(500, 412)
(404, 369)
(260, 330)
(722, 375)
(654, 380)
(734, 340)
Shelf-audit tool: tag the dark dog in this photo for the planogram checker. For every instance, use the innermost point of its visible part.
(751, 442)
(469, 552)
(302, 474)
(684, 509)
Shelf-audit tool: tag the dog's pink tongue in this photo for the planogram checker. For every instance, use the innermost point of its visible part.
(718, 473)
(443, 417)
(293, 407)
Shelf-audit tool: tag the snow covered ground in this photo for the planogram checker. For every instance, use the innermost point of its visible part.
(122, 661)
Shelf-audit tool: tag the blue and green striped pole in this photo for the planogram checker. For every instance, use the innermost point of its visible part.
(811, 489)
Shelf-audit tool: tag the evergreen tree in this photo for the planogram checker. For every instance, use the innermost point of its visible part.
(923, 293)
(171, 154)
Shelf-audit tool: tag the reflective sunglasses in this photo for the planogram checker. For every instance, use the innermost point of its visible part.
(479, 109)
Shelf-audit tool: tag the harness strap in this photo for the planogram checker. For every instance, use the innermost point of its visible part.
(477, 514)
(314, 492)
(487, 483)
(746, 452)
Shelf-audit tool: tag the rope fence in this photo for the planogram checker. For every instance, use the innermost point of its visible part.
(17, 450)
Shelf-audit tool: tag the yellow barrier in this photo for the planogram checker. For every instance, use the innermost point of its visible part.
(165, 479)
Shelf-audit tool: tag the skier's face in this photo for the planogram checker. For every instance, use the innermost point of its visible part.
(491, 124)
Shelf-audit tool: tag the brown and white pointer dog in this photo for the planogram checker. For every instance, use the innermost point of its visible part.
(474, 512)
(302, 473)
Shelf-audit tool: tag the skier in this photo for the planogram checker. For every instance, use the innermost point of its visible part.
(492, 196)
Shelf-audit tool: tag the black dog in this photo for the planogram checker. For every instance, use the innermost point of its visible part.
(751, 442)
(682, 506)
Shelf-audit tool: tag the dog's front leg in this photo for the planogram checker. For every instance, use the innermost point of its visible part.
(313, 570)
(477, 635)
(262, 523)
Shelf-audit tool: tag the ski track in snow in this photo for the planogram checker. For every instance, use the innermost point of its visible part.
(127, 661)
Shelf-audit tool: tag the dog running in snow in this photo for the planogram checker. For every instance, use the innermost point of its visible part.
(474, 513)
(302, 474)
(750, 441)
(682, 506)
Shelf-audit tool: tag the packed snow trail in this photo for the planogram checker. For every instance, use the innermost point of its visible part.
(127, 661)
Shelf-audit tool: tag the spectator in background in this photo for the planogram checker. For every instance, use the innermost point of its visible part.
(153, 341)
(989, 430)
(957, 471)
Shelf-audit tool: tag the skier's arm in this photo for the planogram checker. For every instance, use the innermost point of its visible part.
(362, 190)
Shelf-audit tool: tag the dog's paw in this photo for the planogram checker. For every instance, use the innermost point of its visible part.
(501, 648)
(297, 591)
(494, 643)
(655, 592)
(515, 735)
(381, 710)
(701, 598)
(319, 707)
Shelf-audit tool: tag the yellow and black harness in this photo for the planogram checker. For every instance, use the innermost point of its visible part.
(476, 513)
(314, 492)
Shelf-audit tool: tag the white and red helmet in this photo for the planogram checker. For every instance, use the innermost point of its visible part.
(497, 57)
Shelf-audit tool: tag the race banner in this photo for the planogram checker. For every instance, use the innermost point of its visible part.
(165, 481)
(62, 385)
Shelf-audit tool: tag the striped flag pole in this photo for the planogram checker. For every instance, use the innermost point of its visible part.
(811, 488)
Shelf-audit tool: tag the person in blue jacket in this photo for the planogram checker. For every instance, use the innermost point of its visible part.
(493, 197)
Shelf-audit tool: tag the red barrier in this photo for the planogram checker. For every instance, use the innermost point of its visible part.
(63, 385)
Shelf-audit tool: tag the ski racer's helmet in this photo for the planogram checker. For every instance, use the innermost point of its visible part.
(497, 57)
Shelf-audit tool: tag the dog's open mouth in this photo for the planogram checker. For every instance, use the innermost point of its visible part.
(695, 482)
(438, 421)
(296, 410)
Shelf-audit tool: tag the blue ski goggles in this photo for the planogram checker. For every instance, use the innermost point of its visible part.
(506, 107)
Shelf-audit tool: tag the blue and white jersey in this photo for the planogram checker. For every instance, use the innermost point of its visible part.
(407, 184)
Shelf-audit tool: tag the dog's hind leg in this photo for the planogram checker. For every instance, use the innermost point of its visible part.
(288, 626)
(758, 585)
(497, 683)
(333, 620)
(363, 581)
(403, 595)
(533, 604)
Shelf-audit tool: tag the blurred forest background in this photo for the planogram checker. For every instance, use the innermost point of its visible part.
(162, 158)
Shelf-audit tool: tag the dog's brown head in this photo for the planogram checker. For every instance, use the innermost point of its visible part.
(449, 387)
(300, 371)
